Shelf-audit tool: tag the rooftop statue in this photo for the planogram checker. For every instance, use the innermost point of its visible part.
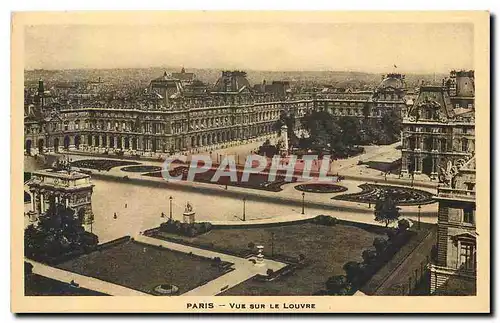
(447, 176)
(188, 208)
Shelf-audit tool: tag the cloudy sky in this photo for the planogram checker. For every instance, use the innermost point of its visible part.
(286, 46)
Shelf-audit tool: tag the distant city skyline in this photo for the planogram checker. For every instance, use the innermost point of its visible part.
(360, 47)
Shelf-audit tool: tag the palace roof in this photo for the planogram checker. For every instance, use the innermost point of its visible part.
(435, 95)
(395, 81)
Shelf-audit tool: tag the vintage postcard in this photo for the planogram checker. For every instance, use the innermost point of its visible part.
(250, 162)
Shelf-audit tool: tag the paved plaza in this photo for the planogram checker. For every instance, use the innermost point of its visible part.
(139, 204)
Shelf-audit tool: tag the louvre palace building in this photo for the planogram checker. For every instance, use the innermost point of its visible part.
(439, 127)
(179, 114)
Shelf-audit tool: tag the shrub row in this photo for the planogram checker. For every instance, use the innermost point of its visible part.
(357, 274)
(373, 260)
(185, 229)
(325, 220)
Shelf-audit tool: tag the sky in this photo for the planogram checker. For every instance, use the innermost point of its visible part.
(364, 47)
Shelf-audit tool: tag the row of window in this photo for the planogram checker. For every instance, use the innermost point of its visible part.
(429, 144)
(469, 105)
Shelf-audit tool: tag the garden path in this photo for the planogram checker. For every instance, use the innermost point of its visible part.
(244, 269)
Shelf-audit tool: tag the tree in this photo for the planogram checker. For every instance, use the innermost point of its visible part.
(59, 231)
(337, 285)
(391, 234)
(269, 272)
(268, 150)
(380, 244)
(369, 256)
(351, 130)
(353, 270)
(251, 245)
(403, 225)
(28, 269)
(324, 132)
(391, 125)
(386, 211)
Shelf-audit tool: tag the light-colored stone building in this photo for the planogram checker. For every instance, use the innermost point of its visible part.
(68, 187)
(174, 116)
(454, 272)
(440, 126)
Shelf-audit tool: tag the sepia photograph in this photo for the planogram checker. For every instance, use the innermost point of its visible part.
(250, 162)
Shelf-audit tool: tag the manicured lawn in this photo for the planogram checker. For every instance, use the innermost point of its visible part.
(101, 164)
(143, 267)
(255, 181)
(326, 250)
(37, 285)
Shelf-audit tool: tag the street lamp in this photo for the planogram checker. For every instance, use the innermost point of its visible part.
(303, 197)
(244, 200)
(419, 207)
(170, 198)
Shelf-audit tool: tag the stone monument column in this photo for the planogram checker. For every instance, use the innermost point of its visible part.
(284, 138)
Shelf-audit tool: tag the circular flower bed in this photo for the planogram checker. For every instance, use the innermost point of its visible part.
(320, 188)
(165, 289)
(401, 195)
(141, 169)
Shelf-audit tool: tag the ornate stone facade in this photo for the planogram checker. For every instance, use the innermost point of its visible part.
(438, 128)
(173, 117)
(454, 272)
(62, 186)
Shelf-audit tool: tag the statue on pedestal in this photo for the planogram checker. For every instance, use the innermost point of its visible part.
(260, 256)
(188, 215)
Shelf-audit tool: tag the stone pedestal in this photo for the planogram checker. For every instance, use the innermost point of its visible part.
(188, 217)
(260, 256)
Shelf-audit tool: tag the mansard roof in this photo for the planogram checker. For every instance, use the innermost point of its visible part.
(436, 96)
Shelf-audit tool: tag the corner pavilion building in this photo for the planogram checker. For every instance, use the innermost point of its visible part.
(440, 126)
(454, 272)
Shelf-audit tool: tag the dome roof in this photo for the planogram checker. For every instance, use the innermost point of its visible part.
(395, 81)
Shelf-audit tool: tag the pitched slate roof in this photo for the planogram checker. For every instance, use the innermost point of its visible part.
(435, 95)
